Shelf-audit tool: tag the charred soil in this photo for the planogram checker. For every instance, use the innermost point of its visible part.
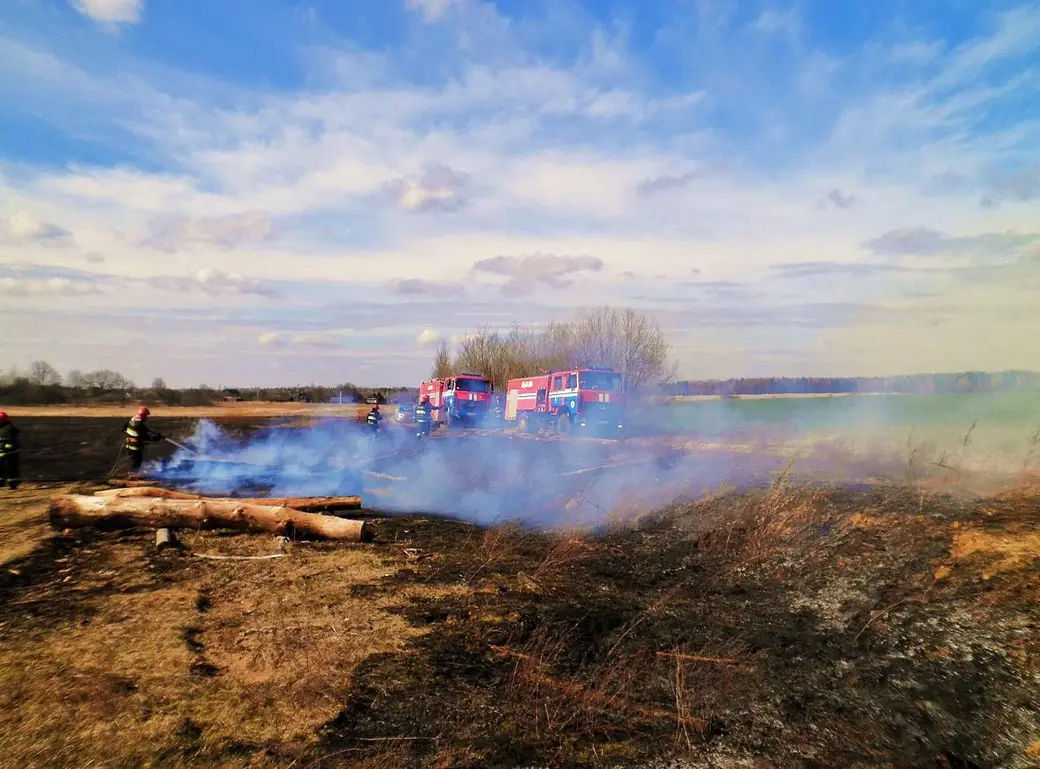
(783, 626)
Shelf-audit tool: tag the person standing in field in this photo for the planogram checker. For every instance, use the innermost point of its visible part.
(422, 416)
(374, 418)
(10, 449)
(137, 434)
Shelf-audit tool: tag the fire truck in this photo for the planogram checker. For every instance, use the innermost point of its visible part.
(459, 399)
(585, 399)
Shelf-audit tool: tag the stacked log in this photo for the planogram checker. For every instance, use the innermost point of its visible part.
(307, 504)
(165, 509)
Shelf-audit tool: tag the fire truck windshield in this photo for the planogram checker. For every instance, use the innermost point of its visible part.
(600, 380)
(472, 385)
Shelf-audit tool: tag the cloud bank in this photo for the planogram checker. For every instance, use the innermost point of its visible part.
(308, 197)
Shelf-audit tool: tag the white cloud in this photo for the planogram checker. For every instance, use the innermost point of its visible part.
(419, 286)
(21, 228)
(427, 336)
(110, 12)
(316, 340)
(340, 191)
(524, 272)
(173, 233)
(215, 283)
(439, 188)
(271, 339)
(432, 10)
(11, 286)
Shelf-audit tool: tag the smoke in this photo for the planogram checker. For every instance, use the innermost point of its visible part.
(487, 477)
(470, 475)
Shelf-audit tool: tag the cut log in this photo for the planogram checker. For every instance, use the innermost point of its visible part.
(297, 503)
(145, 491)
(74, 510)
(165, 538)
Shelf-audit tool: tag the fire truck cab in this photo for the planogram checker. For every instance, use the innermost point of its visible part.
(588, 399)
(459, 399)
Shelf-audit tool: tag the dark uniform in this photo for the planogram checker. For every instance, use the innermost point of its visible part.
(422, 417)
(9, 454)
(374, 418)
(137, 434)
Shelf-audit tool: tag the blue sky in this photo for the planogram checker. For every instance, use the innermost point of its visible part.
(252, 192)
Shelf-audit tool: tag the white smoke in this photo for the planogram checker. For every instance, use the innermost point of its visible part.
(478, 477)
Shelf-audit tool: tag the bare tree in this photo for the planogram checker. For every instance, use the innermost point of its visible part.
(44, 374)
(622, 339)
(106, 380)
(159, 383)
(75, 379)
(442, 361)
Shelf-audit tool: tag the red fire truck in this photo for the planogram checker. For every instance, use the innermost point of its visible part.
(587, 399)
(459, 399)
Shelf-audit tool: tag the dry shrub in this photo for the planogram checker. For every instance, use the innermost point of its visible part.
(498, 541)
(778, 519)
(565, 548)
(603, 703)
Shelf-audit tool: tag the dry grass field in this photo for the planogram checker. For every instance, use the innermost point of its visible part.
(871, 623)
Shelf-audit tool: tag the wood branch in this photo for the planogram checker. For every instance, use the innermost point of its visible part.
(218, 557)
(74, 510)
(308, 504)
(698, 658)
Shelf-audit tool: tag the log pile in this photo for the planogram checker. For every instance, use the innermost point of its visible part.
(161, 509)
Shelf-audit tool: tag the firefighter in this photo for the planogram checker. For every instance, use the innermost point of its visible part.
(374, 418)
(137, 434)
(9, 450)
(422, 416)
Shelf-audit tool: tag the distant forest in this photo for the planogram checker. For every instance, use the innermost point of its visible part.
(42, 384)
(917, 384)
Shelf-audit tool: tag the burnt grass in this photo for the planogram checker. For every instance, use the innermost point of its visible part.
(64, 449)
(808, 626)
(568, 652)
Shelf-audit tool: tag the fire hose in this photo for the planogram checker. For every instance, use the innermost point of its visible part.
(179, 445)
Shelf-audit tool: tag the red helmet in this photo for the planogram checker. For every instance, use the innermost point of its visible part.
(143, 412)
(3, 417)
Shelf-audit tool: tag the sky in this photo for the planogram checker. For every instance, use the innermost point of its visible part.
(262, 192)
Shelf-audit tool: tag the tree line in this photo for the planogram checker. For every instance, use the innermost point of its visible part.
(42, 384)
(624, 340)
(917, 384)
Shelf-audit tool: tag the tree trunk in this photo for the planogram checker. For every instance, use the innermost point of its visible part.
(72, 510)
(307, 504)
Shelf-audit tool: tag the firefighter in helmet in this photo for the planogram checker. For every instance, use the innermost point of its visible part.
(374, 418)
(9, 451)
(422, 416)
(137, 434)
